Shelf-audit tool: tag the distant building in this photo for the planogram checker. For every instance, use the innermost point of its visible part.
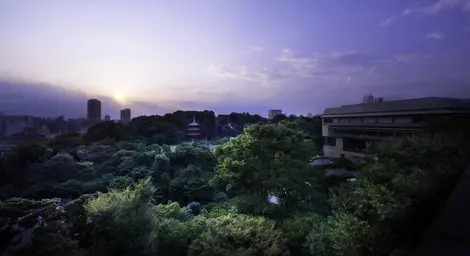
(107, 118)
(14, 124)
(352, 130)
(94, 110)
(126, 115)
(194, 130)
(274, 112)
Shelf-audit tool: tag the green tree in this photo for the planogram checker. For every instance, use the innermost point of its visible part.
(235, 234)
(66, 141)
(24, 154)
(110, 129)
(266, 159)
(398, 196)
(17, 160)
(296, 230)
(190, 185)
(123, 222)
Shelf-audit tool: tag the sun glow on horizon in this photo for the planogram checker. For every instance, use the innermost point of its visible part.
(120, 98)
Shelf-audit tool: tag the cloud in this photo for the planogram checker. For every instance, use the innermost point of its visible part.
(314, 81)
(48, 100)
(257, 48)
(339, 64)
(407, 11)
(262, 75)
(435, 35)
(388, 21)
(335, 66)
(442, 5)
(430, 9)
(411, 57)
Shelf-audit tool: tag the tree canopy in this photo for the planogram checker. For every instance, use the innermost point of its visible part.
(111, 194)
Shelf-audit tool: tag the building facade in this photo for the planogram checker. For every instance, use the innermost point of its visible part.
(126, 115)
(352, 130)
(274, 112)
(94, 110)
(107, 118)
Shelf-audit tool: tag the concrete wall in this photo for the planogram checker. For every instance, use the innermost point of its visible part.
(325, 130)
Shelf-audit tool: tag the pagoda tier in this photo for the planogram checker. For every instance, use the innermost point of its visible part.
(194, 130)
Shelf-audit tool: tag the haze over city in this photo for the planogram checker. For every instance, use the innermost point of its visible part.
(228, 56)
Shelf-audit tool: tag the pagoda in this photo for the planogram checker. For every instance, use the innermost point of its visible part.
(194, 130)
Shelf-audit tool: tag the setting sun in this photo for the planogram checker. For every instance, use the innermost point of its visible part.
(120, 98)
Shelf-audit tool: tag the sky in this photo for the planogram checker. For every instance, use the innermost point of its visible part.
(228, 56)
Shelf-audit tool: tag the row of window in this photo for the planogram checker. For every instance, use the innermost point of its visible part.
(375, 120)
(372, 133)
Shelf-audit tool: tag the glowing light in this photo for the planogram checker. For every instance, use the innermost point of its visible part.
(120, 98)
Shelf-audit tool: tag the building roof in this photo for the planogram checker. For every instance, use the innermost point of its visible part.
(430, 103)
(193, 123)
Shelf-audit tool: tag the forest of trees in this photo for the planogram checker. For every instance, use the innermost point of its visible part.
(112, 192)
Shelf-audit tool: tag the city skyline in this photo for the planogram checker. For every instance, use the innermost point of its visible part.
(156, 57)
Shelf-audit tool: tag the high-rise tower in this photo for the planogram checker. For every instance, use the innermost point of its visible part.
(94, 110)
(126, 115)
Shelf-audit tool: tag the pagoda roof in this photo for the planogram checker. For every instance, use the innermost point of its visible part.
(194, 123)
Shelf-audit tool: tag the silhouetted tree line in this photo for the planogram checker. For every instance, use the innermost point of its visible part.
(170, 128)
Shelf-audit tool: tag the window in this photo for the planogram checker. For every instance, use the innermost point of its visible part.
(370, 133)
(403, 134)
(385, 120)
(355, 132)
(354, 145)
(327, 120)
(343, 121)
(355, 120)
(417, 119)
(369, 120)
(386, 134)
(403, 120)
(329, 141)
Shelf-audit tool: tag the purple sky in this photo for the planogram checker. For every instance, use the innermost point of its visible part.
(243, 56)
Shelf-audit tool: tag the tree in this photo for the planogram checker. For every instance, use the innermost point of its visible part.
(266, 159)
(26, 153)
(236, 234)
(191, 185)
(66, 141)
(109, 129)
(279, 118)
(17, 159)
(312, 127)
(296, 231)
(398, 196)
(122, 221)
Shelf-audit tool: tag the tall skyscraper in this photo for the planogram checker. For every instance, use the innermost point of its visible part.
(94, 110)
(126, 115)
